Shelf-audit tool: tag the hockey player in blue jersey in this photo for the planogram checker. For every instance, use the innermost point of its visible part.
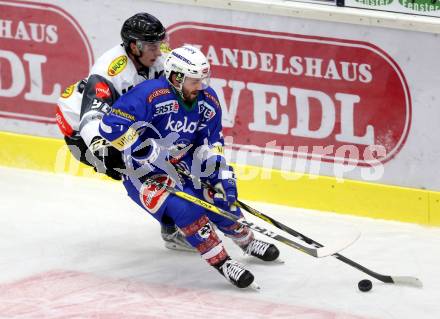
(176, 120)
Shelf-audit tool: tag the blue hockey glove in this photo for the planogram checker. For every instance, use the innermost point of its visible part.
(225, 183)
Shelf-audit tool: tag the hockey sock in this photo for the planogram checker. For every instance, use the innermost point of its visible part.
(201, 235)
(239, 234)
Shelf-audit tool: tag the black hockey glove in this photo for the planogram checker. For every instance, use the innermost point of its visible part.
(106, 158)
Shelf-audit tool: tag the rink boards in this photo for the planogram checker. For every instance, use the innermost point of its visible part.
(323, 107)
(256, 183)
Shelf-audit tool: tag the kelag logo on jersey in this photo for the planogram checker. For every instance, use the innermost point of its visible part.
(304, 93)
(166, 107)
(181, 127)
(42, 51)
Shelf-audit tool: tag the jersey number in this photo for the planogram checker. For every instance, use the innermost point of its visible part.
(101, 106)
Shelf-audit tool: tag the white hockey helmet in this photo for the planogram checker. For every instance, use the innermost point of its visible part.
(187, 61)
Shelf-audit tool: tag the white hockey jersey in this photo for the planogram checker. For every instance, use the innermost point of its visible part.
(119, 71)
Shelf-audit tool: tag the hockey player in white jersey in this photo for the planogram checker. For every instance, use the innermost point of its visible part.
(82, 105)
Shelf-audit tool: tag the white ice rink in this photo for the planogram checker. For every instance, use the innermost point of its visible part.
(79, 248)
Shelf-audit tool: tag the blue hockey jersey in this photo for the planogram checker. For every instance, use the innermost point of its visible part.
(154, 110)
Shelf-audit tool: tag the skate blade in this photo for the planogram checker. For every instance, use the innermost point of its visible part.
(276, 261)
(174, 246)
(255, 286)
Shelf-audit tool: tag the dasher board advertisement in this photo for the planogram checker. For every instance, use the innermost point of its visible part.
(429, 8)
(303, 95)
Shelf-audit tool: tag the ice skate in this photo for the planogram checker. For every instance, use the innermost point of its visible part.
(237, 274)
(262, 250)
(175, 240)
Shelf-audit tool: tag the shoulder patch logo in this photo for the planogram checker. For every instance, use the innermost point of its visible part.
(68, 91)
(102, 90)
(117, 65)
(207, 111)
(157, 93)
(212, 98)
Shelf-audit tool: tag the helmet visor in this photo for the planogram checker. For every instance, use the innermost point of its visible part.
(200, 83)
(153, 46)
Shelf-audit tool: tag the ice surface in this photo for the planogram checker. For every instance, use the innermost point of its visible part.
(79, 248)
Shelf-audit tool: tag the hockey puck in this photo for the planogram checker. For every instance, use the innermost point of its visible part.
(365, 285)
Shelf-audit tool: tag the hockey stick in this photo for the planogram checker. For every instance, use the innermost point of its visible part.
(317, 252)
(401, 280)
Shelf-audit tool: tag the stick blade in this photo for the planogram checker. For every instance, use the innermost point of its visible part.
(407, 281)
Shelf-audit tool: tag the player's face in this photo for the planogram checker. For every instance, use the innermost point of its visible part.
(191, 88)
(150, 52)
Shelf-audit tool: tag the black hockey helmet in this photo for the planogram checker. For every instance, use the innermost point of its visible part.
(144, 27)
